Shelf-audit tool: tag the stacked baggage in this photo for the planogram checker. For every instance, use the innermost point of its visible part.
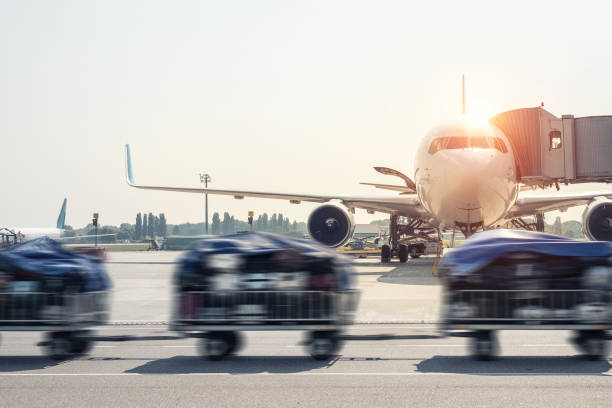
(526, 280)
(261, 281)
(45, 287)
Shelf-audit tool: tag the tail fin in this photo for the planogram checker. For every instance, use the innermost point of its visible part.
(128, 166)
(61, 220)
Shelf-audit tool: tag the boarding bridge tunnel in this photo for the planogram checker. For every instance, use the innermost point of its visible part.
(551, 150)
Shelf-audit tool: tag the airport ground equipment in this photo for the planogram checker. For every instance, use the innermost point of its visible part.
(520, 280)
(261, 281)
(410, 237)
(44, 287)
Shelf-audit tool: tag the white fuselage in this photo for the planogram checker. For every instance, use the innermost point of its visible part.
(27, 234)
(462, 181)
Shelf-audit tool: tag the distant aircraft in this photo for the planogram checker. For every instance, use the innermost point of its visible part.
(29, 233)
(465, 178)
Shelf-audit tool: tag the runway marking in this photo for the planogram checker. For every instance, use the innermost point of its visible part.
(180, 346)
(315, 374)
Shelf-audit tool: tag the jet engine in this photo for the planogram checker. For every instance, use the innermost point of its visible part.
(331, 225)
(597, 220)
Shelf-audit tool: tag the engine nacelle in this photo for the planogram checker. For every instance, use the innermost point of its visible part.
(597, 220)
(331, 225)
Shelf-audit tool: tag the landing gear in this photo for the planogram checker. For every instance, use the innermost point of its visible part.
(408, 237)
(403, 253)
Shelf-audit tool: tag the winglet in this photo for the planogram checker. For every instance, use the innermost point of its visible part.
(61, 219)
(128, 166)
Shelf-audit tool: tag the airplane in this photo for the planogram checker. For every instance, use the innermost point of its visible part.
(465, 178)
(28, 233)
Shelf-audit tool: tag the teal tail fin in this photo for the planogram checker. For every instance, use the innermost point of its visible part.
(61, 220)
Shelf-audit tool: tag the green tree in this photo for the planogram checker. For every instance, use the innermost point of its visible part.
(280, 221)
(145, 227)
(163, 227)
(151, 226)
(226, 225)
(273, 223)
(138, 228)
(126, 232)
(232, 224)
(557, 227)
(264, 222)
(216, 224)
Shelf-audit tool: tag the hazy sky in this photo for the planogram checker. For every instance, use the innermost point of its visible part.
(281, 96)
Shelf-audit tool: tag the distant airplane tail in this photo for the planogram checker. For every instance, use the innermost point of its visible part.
(61, 219)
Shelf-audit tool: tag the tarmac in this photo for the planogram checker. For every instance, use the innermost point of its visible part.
(390, 358)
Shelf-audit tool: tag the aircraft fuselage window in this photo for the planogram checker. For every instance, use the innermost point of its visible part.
(465, 142)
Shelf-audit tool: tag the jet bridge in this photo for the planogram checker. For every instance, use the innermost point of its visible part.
(551, 150)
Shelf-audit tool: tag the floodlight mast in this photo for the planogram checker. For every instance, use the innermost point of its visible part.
(205, 178)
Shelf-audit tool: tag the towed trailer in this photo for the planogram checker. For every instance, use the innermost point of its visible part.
(521, 280)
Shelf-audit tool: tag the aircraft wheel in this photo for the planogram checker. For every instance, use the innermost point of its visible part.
(385, 254)
(403, 253)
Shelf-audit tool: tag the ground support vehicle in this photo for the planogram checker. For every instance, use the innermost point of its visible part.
(410, 237)
(217, 318)
(521, 280)
(65, 318)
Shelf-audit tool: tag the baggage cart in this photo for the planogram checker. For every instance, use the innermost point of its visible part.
(519, 280)
(218, 317)
(65, 318)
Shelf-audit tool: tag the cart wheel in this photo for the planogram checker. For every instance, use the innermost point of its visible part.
(323, 344)
(234, 340)
(79, 343)
(483, 346)
(593, 344)
(385, 254)
(403, 253)
(214, 346)
(58, 346)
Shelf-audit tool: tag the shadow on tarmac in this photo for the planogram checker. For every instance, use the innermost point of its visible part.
(514, 365)
(25, 363)
(232, 365)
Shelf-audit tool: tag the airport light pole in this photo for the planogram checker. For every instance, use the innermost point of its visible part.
(205, 178)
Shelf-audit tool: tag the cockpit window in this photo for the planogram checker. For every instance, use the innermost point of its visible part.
(465, 142)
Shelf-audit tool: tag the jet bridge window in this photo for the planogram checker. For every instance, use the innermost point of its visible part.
(555, 139)
(464, 142)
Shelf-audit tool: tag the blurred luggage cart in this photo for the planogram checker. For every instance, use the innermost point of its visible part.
(519, 280)
(46, 288)
(261, 281)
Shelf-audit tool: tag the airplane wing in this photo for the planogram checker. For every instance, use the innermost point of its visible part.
(531, 204)
(407, 205)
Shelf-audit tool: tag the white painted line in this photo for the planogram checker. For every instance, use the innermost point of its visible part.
(432, 345)
(179, 346)
(105, 346)
(545, 345)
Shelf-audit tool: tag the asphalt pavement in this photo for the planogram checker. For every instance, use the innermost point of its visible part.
(380, 365)
(395, 357)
